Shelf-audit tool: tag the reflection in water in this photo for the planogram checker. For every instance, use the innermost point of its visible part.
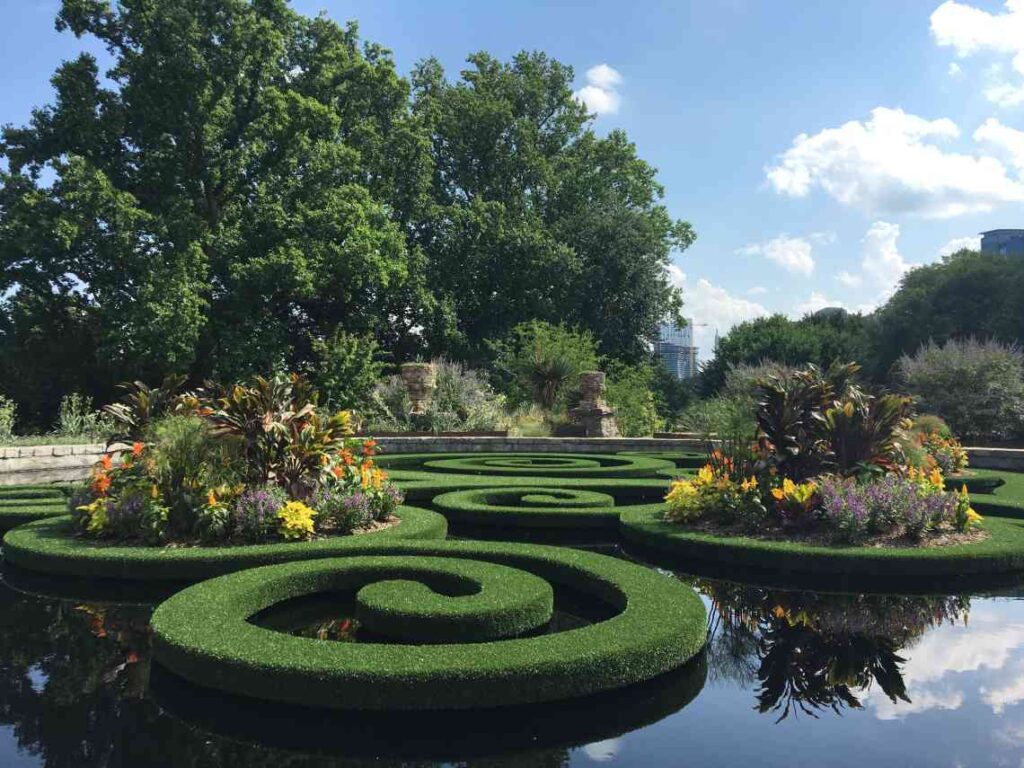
(808, 651)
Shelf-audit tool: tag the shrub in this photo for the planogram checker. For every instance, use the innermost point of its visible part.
(255, 512)
(141, 405)
(540, 362)
(629, 392)
(8, 411)
(976, 386)
(77, 418)
(463, 401)
(346, 370)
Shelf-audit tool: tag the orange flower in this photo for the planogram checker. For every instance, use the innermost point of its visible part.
(366, 465)
(368, 447)
(101, 484)
(211, 498)
(338, 472)
(107, 461)
(137, 449)
(347, 459)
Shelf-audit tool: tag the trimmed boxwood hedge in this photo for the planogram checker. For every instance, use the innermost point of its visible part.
(681, 459)
(429, 466)
(21, 504)
(433, 600)
(1002, 552)
(529, 506)
(50, 546)
(203, 634)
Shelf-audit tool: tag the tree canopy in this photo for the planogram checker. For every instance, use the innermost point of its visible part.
(243, 182)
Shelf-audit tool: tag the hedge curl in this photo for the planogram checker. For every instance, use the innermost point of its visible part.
(50, 546)
(1001, 553)
(21, 504)
(204, 634)
(427, 466)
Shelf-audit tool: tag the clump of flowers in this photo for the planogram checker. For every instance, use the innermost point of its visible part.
(255, 512)
(946, 452)
(796, 502)
(120, 499)
(715, 495)
(295, 521)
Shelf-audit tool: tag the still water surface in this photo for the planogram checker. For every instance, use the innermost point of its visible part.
(789, 678)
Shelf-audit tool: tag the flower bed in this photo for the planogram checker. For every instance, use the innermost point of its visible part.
(52, 547)
(204, 634)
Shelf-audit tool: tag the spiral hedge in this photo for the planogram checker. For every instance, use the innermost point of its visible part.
(427, 466)
(205, 633)
(51, 546)
(24, 503)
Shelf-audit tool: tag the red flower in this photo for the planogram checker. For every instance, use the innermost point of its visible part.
(106, 461)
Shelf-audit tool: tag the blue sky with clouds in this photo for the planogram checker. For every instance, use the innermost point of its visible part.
(819, 149)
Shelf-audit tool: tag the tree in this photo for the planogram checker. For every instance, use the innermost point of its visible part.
(535, 217)
(965, 294)
(240, 189)
(541, 362)
(823, 338)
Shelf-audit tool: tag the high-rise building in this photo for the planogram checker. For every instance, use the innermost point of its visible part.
(676, 350)
(1008, 242)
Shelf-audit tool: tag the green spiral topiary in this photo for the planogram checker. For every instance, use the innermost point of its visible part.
(511, 465)
(51, 546)
(542, 507)
(24, 503)
(656, 623)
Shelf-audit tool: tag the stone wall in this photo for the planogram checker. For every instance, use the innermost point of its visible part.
(52, 463)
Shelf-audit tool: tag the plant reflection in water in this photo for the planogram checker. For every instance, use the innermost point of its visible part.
(807, 652)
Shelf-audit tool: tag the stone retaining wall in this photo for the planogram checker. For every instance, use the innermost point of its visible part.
(53, 463)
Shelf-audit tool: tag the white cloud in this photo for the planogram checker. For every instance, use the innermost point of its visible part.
(713, 305)
(791, 253)
(891, 163)
(603, 751)
(849, 280)
(1004, 696)
(882, 261)
(954, 69)
(1005, 140)
(969, 30)
(757, 290)
(601, 93)
(959, 243)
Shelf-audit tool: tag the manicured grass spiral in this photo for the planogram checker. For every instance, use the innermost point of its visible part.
(24, 503)
(204, 633)
(540, 507)
(51, 546)
(512, 465)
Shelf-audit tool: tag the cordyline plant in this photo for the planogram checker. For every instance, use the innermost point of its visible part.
(140, 405)
(812, 421)
(282, 436)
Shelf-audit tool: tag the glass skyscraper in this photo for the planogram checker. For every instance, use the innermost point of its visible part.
(676, 350)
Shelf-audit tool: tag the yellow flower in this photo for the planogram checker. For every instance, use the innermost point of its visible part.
(295, 521)
(749, 484)
(211, 498)
(778, 494)
(935, 478)
(679, 490)
(154, 492)
(97, 512)
(705, 474)
(788, 486)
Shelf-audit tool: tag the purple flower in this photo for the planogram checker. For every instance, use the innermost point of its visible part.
(255, 512)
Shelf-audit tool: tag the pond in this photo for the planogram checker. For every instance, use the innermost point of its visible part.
(788, 676)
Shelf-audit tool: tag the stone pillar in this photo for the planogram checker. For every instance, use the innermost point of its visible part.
(592, 413)
(419, 381)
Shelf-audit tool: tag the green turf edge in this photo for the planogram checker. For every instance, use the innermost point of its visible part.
(1002, 552)
(49, 546)
(406, 466)
(21, 492)
(412, 601)
(12, 517)
(202, 634)
(683, 459)
(465, 507)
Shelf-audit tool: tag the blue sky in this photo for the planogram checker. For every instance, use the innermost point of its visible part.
(819, 149)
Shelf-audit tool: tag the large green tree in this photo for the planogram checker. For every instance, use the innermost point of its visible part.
(237, 186)
(535, 216)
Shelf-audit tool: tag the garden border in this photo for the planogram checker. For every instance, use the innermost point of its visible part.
(203, 634)
(49, 546)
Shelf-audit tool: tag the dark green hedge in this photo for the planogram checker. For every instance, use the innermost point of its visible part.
(429, 466)
(529, 506)
(681, 459)
(203, 634)
(1002, 552)
(50, 546)
(21, 504)
(431, 600)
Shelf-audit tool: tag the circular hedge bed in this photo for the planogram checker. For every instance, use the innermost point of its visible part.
(204, 633)
(424, 466)
(24, 503)
(531, 506)
(1002, 552)
(51, 546)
